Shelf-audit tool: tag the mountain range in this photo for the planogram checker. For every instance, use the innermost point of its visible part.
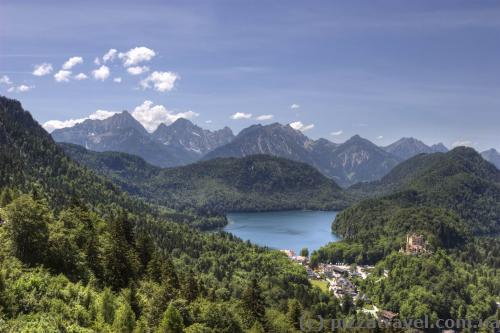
(178, 144)
(406, 148)
(182, 142)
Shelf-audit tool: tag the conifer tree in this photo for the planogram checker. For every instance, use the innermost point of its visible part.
(189, 286)
(171, 321)
(107, 307)
(253, 301)
(124, 319)
(27, 223)
(120, 261)
(294, 312)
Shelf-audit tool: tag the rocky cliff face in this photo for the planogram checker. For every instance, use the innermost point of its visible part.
(178, 144)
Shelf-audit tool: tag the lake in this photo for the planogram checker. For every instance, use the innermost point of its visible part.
(292, 230)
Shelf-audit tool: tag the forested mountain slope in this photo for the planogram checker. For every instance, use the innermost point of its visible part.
(452, 200)
(30, 161)
(449, 197)
(66, 266)
(253, 183)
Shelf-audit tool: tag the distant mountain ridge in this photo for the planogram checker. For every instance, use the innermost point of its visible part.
(406, 148)
(185, 135)
(178, 144)
(182, 142)
(353, 161)
(492, 156)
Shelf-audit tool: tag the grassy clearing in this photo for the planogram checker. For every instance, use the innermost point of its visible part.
(323, 285)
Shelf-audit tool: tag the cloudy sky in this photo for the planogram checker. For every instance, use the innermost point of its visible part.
(385, 69)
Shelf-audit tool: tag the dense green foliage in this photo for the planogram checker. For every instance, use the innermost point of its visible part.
(31, 161)
(102, 273)
(78, 255)
(446, 197)
(453, 200)
(214, 187)
(460, 180)
(434, 285)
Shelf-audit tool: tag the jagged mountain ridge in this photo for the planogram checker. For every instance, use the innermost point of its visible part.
(185, 135)
(406, 148)
(182, 142)
(178, 144)
(353, 161)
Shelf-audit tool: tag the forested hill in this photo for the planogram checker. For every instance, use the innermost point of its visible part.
(422, 170)
(253, 183)
(32, 162)
(448, 197)
(451, 199)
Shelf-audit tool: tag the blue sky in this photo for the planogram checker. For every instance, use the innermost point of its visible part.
(381, 69)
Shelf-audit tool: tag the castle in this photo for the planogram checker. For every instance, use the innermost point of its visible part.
(415, 244)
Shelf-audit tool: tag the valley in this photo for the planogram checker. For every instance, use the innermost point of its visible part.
(132, 226)
(249, 166)
(182, 142)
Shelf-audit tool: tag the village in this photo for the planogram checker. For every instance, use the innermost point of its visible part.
(340, 277)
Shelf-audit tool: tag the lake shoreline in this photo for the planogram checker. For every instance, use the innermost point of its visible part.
(284, 230)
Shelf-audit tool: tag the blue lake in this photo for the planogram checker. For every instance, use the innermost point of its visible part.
(292, 230)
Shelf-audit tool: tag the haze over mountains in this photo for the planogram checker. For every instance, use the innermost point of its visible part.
(178, 144)
(406, 148)
(182, 142)
(492, 156)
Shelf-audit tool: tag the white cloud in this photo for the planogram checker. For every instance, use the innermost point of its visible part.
(464, 143)
(62, 76)
(52, 125)
(102, 73)
(136, 70)
(380, 137)
(81, 76)
(101, 114)
(5, 80)
(97, 61)
(110, 55)
(136, 55)
(299, 126)
(72, 62)
(21, 88)
(161, 81)
(208, 121)
(117, 79)
(241, 115)
(337, 133)
(294, 106)
(150, 116)
(265, 117)
(42, 69)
